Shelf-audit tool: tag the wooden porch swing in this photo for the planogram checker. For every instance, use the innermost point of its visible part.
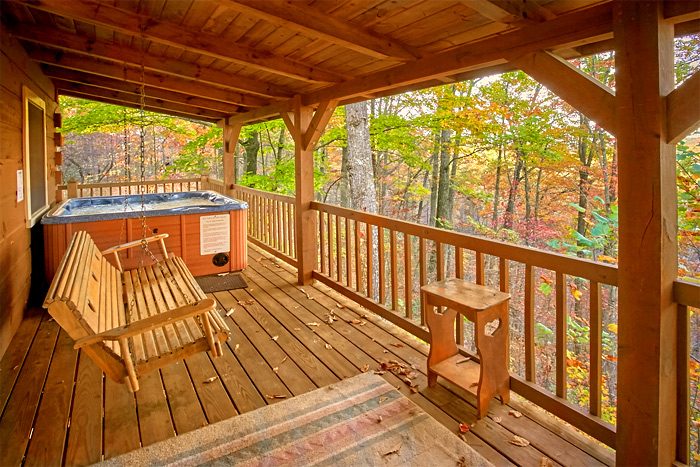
(135, 321)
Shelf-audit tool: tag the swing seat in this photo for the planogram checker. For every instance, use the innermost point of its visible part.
(136, 321)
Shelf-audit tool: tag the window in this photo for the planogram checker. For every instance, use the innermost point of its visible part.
(34, 161)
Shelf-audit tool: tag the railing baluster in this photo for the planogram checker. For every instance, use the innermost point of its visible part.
(394, 264)
(330, 246)
(459, 274)
(322, 241)
(561, 335)
(596, 350)
(440, 260)
(504, 274)
(338, 253)
(682, 385)
(479, 260)
(408, 274)
(348, 254)
(370, 260)
(529, 323)
(423, 275)
(358, 257)
(380, 249)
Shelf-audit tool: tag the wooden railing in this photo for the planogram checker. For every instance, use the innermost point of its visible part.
(687, 296)
(75, 190)
(271, 221)
(409, 255)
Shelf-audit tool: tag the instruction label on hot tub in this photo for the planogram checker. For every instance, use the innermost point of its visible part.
(214, 234)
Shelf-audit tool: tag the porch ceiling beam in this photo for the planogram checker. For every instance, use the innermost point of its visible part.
(63, 74)
(592, 22)
(510, 12)
(583, 92)
(678, 11)
(314, 23)
(133, 75)
(271, 111)
(102, 96)
(683, 109)
(175, 35)
(60, 39)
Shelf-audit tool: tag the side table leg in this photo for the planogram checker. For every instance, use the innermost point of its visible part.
(493, 353)
(442, 342)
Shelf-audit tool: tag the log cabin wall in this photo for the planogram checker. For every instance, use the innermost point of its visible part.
(17, 71)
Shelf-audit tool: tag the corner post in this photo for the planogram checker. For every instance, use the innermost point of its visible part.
(646, 420)
(306, 127)
(231, 133)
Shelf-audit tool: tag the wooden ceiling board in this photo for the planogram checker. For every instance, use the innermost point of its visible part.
(294, 44)
(428, 22)
(487, 30)
(175, 10)
(151, 7)
(199, 14)
(239, 27)
(463, 19)
(17, 13)
(220, 20)
(411, 15)
(85, 30)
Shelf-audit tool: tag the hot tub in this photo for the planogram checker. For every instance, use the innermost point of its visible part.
(206, 229)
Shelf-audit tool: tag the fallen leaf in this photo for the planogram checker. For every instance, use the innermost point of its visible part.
(464, 428)
(385, 351)
(223, 274)
(250, 302)
(328, 346)
(211, 380)
(546, 462)
(356, 321)
(383, 399)
(276, 369)
(379, 419)
(393, 451)
(297, 329)
(339, 305)
(313, 324)
(497, 419)
(275, 396)
(229, 312)
(414, 389)
(515, 413)
(236, 347)
(519, 441)
(396, 344)
(473, 385)
(365, 368)
(379, 372)
(274, 338)
(462, 462)
(284, 360)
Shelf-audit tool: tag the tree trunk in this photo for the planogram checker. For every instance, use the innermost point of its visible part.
(251, 145)
(443, 214)
(513, 191)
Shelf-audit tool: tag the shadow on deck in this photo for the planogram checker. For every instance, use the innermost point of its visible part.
(57, 408)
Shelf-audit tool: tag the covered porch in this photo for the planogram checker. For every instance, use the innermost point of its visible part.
(59, 408)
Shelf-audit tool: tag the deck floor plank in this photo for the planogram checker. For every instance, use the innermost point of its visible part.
(67, 421)
(49, 436)
(84, 444)
(16, 424)
(155, 423)
(121, 425)
(15, 355)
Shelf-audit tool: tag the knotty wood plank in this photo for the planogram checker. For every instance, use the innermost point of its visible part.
(186, 410)
(50, 428)
(155, 423)
(85, 432)
(212, 395)
(121, 428)
(238, 385)
(14, 357)
(255, 366)
(17, 420)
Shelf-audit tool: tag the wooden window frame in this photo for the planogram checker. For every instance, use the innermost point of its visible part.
(29, 96)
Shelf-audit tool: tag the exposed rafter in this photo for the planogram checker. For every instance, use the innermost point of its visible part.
(126, 100)
(66, 75)
(172, 34)
(585, 93)
(131, 74)
(312, 22)
(588, 23)
(510, 12)
(57, 38)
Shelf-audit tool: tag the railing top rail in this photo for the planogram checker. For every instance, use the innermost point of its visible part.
(64, 186)
(602, 273)
(267, 194)
(686, 293)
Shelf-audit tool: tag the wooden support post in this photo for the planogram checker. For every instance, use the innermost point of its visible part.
(646, 411)
(231, 133)
(72, 189)
(306, 126)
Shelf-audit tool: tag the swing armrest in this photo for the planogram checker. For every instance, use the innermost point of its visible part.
(135, 243)
(148, 324)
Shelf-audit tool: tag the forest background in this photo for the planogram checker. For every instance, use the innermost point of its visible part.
(500, 157)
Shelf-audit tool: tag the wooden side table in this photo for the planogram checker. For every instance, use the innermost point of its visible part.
(488, 310)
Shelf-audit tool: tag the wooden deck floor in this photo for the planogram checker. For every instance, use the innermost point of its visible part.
(58, 408)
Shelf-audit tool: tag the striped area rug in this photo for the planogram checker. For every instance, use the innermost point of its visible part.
(359, 421)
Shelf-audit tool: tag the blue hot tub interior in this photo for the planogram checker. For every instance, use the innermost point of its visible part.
(129, 206)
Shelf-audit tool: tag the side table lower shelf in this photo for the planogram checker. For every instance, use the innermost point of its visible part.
(464, 374)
